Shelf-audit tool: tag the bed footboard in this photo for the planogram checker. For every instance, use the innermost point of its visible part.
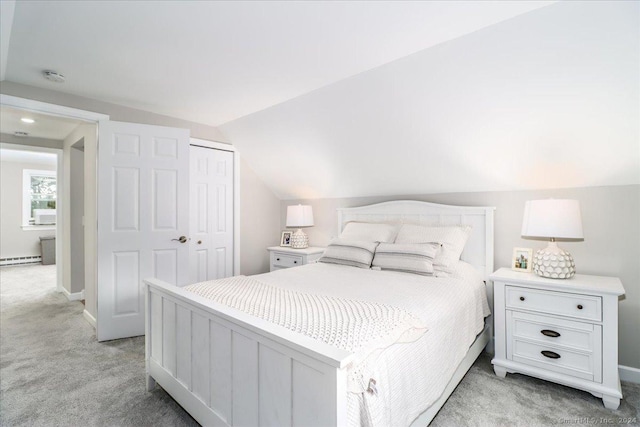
(227, 368)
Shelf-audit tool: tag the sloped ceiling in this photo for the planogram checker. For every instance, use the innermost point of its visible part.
(211, 62)
(548, 99)
(340, 99)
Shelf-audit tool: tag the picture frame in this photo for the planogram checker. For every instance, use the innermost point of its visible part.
(285, 238)
(522, 260)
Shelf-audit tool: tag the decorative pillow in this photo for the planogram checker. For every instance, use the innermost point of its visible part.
(452, 238)
(416, 258)
(349, 252)
(369, 232)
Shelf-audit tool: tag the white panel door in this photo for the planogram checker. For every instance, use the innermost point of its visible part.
(211, 182)
(143, 210)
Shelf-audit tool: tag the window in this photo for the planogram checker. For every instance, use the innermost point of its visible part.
(39, 191)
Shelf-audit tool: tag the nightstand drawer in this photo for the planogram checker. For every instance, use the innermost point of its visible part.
(560, 303)
(284, 257)
(549, 330)
(560, 360)
(286, 260)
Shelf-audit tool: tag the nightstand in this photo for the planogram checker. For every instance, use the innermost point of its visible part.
(285, 257)
(565, 331)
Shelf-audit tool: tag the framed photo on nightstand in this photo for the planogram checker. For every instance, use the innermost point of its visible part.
(522, 259)
(285, 239)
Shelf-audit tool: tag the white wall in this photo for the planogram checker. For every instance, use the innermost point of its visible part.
(86, 131)
(31, 141)
(76, 212)
(259, 222)
(115, 112)
(611, 246)
(14, 241)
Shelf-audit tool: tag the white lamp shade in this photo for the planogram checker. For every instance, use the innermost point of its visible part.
(299, 216)
(552, 218)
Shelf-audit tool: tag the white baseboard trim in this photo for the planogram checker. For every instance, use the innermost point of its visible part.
(76, 296)
(629, 374)
(89, 318)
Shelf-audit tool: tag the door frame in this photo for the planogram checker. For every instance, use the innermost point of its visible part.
(236, 193)
(59, 111)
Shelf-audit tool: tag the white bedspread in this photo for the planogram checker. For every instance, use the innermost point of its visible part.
(362, 328)
(409, 376)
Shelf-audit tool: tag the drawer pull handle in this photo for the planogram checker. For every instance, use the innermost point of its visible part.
(295, 262)
(549, 333)
(550, 354)
(579, 306)
(277, 259)
(521, 298)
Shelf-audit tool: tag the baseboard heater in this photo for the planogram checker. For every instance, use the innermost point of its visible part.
(36, 259)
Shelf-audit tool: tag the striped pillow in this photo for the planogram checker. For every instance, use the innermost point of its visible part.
(453, 239)
(416, 258)
(349, 252)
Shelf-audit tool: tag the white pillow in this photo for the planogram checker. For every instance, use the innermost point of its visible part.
(349, 252)
(416, 258)
(452, 239)
(370, 232)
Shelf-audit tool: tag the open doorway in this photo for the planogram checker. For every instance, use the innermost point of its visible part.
(42, 203)
(28, 193)
(28, 197)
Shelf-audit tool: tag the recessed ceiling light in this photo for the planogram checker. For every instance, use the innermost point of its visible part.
(53, 76)
(27, 120)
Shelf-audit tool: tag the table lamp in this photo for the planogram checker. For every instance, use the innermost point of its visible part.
(299, 216)
(553, 219)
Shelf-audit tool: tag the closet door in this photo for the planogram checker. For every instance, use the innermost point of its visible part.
(211, 212)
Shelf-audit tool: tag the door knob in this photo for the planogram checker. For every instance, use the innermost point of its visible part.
(181, 239)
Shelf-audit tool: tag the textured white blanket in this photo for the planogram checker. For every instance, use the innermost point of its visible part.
(360, 327)
(409, 377)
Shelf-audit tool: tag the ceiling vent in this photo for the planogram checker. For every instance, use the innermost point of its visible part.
(53, 76)
(19, 133)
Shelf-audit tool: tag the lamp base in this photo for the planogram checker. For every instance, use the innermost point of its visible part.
(299, 240)
(554, 263)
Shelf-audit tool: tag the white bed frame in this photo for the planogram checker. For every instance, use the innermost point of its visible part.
(227, 368)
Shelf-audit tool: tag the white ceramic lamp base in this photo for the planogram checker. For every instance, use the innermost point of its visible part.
(554, 263)
(299, 240)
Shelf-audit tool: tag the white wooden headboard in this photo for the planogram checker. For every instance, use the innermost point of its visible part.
(479, 249)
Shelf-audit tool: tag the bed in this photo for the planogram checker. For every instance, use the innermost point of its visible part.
(226, 367)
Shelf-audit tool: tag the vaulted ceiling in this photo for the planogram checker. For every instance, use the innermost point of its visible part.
(548, 99)
(211, 62)
(337, 99)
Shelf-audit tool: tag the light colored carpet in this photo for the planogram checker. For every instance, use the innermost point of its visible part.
(53, 372)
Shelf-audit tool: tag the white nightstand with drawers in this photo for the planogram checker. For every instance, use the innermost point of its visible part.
(565, 331)
(284, 257)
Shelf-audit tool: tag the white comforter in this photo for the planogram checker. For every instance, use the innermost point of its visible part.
(409, 376)
(362, 328)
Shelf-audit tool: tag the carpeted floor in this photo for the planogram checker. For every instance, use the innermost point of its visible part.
(54, 373)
